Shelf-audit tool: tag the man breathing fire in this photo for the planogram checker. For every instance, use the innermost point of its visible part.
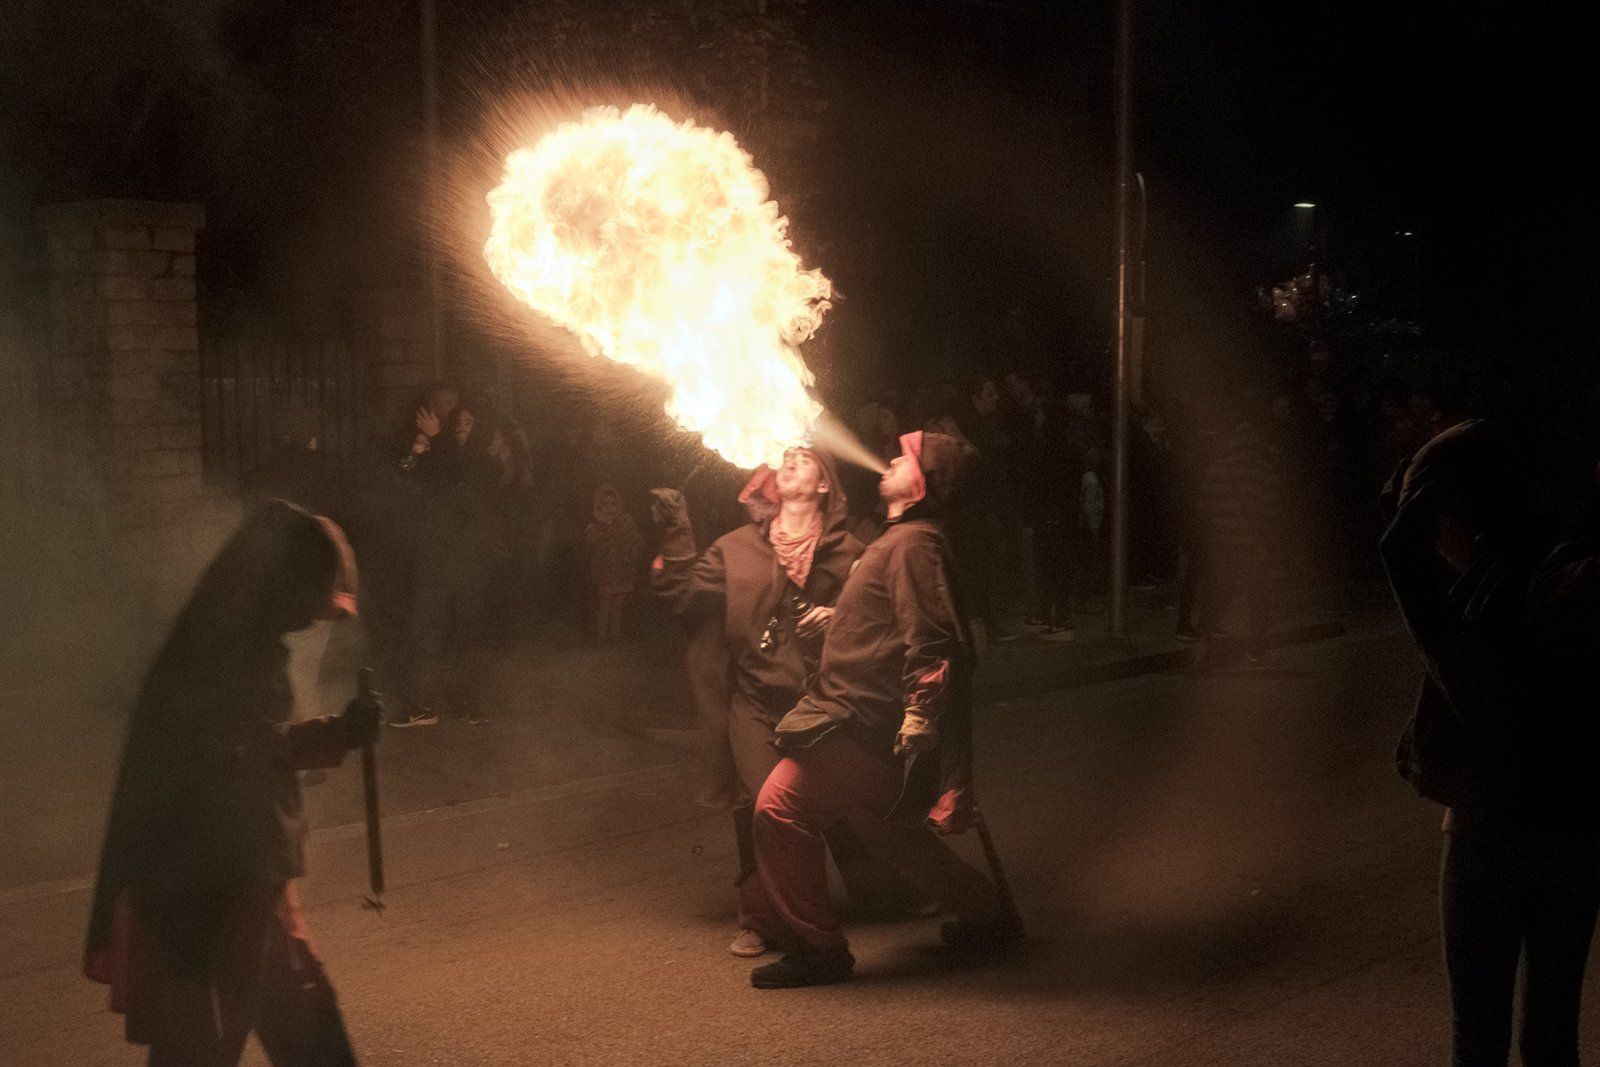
(767, 589)
(881, 742)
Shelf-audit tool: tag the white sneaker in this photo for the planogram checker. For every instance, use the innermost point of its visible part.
(748, 945)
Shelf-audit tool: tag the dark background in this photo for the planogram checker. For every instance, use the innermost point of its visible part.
(947, 163)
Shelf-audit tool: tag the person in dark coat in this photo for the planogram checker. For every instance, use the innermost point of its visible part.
(1504, 735)
(195, 924)
(881, 741)
(460, 545)
(768, 588)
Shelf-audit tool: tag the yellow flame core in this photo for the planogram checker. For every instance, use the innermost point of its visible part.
(655, 243)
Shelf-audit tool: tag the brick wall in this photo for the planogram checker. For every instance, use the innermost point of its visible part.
(120, 391)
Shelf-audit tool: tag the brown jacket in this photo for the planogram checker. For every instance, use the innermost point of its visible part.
(899, 641)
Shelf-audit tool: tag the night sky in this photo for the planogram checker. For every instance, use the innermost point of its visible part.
(959, 191)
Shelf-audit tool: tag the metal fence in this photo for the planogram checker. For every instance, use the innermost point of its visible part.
(21, 426)
(258, 395)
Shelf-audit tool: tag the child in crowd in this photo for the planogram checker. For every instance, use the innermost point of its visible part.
(615, 548)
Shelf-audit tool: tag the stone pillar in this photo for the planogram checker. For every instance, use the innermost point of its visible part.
(122, 390)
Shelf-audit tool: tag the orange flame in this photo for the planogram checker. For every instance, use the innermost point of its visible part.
(655, 243)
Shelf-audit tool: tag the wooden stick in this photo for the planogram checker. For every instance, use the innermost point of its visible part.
(369, 785)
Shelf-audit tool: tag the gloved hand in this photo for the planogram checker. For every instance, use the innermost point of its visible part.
(361, 720)
(918, 734)
(668, 507)
(671, 513)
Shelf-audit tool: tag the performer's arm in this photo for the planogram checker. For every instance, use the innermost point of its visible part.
(691, 583)
(692, 586)
(930, 625)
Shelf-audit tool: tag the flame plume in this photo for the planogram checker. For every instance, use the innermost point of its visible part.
(655, 243)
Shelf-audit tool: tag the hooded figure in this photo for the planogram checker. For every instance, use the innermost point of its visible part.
(762, 597)
(1504, 734)
(881, 742)
(194, 922)
(744, 574)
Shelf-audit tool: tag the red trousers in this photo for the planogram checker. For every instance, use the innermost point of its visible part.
(837, 780)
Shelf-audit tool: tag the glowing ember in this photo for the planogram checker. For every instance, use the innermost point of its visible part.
(654, 242)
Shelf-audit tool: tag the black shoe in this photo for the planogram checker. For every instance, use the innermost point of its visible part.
(991, 935)
(799, 969)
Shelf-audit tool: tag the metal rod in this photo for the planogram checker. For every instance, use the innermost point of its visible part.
(369, 788)
(429, 26)
(996, 868)
(1118, 608)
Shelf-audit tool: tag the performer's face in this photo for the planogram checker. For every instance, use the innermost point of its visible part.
(899, 482)
(801, 477)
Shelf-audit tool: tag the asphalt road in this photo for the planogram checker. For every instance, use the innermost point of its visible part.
(1216, 870)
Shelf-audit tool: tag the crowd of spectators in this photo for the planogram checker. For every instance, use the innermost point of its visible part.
(472, 537)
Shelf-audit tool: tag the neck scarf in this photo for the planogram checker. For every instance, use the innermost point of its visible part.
(795, 551)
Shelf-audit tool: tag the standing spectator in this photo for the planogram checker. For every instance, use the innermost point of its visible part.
(615, 551)
(990, 529)
(459, 546)
(1151, 524)
(1088, 559)
(1048, 455)
(1196, 449)
(435, 413)
(1504, 735)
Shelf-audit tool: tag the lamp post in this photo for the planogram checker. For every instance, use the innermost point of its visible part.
(428, 27)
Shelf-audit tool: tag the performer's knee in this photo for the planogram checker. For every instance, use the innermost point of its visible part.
(778, 802)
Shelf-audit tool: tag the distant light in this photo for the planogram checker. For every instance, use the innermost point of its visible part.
(1406, 234)
(1305, 203)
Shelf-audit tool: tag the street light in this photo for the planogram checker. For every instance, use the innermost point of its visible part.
(1305, 204)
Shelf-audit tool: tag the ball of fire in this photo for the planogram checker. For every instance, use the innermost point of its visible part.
(655, 243)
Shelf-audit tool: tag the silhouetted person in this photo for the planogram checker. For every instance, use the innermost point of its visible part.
(990, 531)
(1505, 735)
(195, 923)
(1050, 463)
(460, 543)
